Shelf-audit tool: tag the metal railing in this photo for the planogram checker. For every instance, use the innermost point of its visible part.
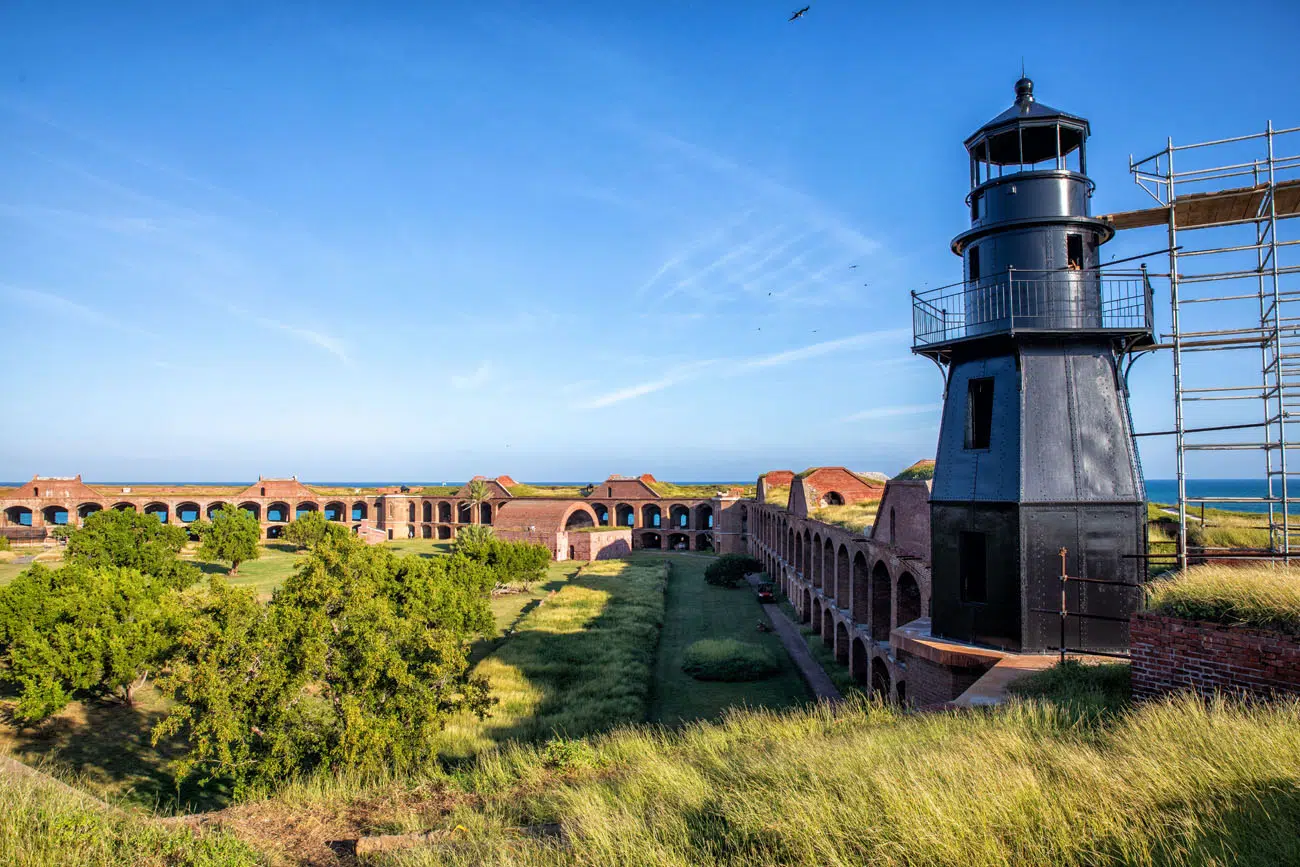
(1033, 300)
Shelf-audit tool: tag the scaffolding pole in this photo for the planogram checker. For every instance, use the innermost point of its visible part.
(1203, 202)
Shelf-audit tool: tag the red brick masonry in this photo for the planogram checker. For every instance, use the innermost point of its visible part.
(1172, 654)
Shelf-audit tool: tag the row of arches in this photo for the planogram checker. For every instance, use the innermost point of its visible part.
(652, 516)
(187, 512)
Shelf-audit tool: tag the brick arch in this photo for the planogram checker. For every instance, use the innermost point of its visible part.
(841, 642)
(828, 627)
(815, 555)
(882, 592)
(805, 612)
(85, 510)
(880, 679)
(843, 578)
(426, 511)
(445, 513)
(828, 569)
(860, 664)
(570, 520)
(861, 589)
(909, 598)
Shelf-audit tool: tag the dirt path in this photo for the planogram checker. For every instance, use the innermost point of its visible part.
(816, 677)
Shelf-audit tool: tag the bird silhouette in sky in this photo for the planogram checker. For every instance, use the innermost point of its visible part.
(851, 267)
(796, 16)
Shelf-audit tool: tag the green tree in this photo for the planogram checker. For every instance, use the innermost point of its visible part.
(475, 542)
(355, 663)
(119, 537)
(309, 529)
(478, 492)
(232, 535)
(729, 570)
(98, 630)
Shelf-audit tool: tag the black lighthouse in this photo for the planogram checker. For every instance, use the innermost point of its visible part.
(1035, 448)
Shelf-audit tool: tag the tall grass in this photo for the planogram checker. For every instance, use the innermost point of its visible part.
(43, 825)
(1171, 783)
(579, 662)
(857, 517)
(778, 495)
(1265, 596)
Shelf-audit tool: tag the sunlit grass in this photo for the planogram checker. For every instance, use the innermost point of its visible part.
(1264, 596)
(1170, 783)
(857, 517)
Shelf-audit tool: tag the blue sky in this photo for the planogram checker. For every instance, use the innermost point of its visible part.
(560, 240)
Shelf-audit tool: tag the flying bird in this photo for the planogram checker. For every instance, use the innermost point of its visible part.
(851, 267)
(800, 13)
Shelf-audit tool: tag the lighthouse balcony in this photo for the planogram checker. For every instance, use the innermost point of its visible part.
(1048, 302)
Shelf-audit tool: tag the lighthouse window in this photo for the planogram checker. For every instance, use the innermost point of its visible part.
(979, 413)
(1074, 252)
(972, 560)
(974, 263)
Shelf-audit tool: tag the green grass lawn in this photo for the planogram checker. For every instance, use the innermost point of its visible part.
(695, 610)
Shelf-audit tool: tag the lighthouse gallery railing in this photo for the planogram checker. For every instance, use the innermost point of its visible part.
(1032, 301)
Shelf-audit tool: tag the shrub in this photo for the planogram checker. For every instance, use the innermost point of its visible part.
(1265, 597)
(119, 537)
(729, 570)
(728, 660)
(4, 543)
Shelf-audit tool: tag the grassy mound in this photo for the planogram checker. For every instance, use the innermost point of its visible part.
(1176, 782)
(1266, 597)
(728, 660)
(921, 470)
(42, 824)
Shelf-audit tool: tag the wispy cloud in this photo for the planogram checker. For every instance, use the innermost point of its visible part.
(67, 308)
(758, 255)
(476, 378)
(319, 339)
(738, 366)
(894, 411)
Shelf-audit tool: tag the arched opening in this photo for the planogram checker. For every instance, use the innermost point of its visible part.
(426, 512)
(807, 554)
(861, 665)
(426, 531)
(444, 532)
(624, 515)
(485, 513)
(602, 514)
(815, 567)
(909, 599)
(679, 542)
(18, 516)
(213, 508)
(841, 643)
(55, 515)
(828, 570)
(158, 510)
(304, 508)
(805, 613)
(463, 513)
(879, 678)
(359, 510)
(815, 614)
(842, 577)
(334, 512)
(881, 601)
(798, 559)
(277, 513)
(188, 513)
(832, 498)
(679, 517)
(85, 510)
(275, 531)
(900, 692)
(579, 519)
(125, 507)
(860, 594)
(828, 627)
(651, 516)
(410, 512)
(704, 542)
(651, 540)
(704, 520)
(444, 512)
(251, 509)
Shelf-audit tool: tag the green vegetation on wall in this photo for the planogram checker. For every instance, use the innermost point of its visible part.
(1265, 597)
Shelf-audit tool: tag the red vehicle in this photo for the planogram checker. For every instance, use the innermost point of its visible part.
(765, 594)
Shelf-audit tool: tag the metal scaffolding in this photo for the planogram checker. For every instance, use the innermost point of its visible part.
(1233, 289)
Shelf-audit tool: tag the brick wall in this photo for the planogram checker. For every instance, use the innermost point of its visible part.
(932, 683)
(1172, 654)
(608, 545)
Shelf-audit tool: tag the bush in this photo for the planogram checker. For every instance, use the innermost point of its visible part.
(1265, 597)
(729, 570)
(728, 660)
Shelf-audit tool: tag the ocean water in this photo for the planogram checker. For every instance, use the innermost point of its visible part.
(1166, 491)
